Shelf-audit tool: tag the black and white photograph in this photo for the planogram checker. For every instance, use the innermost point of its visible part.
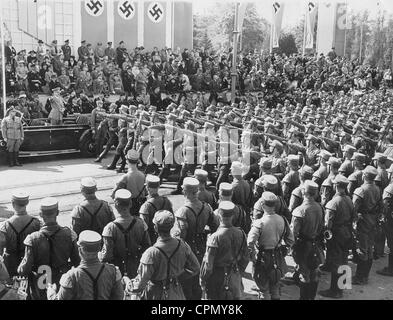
(194, 150)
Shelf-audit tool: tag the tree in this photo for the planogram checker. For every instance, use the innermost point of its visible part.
(287, 44)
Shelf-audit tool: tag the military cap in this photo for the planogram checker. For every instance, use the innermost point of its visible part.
(266, 163)
(370, 172)
(324, 154)
(20, 197)
(88, 185)
(225, 208)
(132, 108)
(152, 181)
(201, 175)
(269, 198)
(133, 155)
(306, 172)
(312, 138)
(83, 41)
(190, 184)
(208, 125)
(164, 219)
(269, 182)
(340, 180)
(54, 41)
(380, 156)
(334, 162)
(90, 241)
(56, 89)
(277, 144)
(359, 157)
(310, 186)
(226, 189)
(293, 159)
(49, 205)
(348, 147)
(40, 41)
(237, 168)
(171, 116)
(122, 195)
(22, 94)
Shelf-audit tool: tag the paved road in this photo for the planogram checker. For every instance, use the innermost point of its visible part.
(60, 177)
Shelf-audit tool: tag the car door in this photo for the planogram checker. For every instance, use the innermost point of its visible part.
(65, 137)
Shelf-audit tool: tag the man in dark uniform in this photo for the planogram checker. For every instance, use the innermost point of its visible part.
(133, 181)
(367, 200)
(164, 265)
(14, 230)
(205, 195)
(321, 173)
(355, 179)
(66, 50)
(305, 173)
(266, 235)
(307, 227)
(99, 127)
(126, 238)
(388, 227)
(51, 246)
(327, 191)
(112, 125)
(338, 221)
(226, 258)
(242, 192)
(191, 221)
(278, 164)
(154, 203)
(92, 213)
(91, 280)
(346, 169)
(291, 179)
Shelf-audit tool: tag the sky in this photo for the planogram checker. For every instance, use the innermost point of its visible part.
(294, 9)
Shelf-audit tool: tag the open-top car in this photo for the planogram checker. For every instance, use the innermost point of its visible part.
(43, 139)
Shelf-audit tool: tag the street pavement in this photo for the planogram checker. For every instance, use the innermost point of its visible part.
(60, 177)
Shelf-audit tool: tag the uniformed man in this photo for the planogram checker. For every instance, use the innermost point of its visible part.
(14, 230)
(92, 213)
(388, 227)
(338, 224)
(382, 181)
(154, 203)
(322, 173)
(226, 258)
(205, 195)
(355, 179)
(307, 227)
(126, 238)
(133, 181)
(99, 127)
(346, 169)
(278, 164)
(13, 135)
(265, 244)
(291, 179)
(191, 221)
(164, 265)
(367, 200)
(112, 125)
(327, 191)
(242, 192)
(92, 279)
(305, 173)
(240, 218)
(51, 246)
(312, 151)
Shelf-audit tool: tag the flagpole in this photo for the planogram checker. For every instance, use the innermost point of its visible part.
(3, 57)
(234, 57)
(346, 24)
(304, 34)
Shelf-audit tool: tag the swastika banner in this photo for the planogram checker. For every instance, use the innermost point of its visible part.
(154, 24)
(126, 23)
(94, 21)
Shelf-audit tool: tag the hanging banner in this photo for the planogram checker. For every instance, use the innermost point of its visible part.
(310, 24)
(278, 10)
(325, 28)
(183, 28)
(126, 27)
(341, 26)
(94, 21)
(154, 33)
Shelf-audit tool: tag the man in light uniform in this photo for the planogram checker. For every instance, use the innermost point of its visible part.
(13, 135)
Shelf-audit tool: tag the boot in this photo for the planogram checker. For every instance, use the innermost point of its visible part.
(312, 290)
(16, 161)
(112, 166)
(10, 156)
(387, 271)
(303, 291)
(367, 269)
(333, 292)
(122, 166)
(359, 278)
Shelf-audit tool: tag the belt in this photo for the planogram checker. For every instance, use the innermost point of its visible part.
(164, 282)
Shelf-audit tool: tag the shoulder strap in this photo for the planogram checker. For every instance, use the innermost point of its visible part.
(153, 205)
(125, 232)
(94, 280)
(235, 258)
(168, 258)
(283, 233)
(144, 186)
(196, 215)
(50, 239)
(18, 234)
(93, 215)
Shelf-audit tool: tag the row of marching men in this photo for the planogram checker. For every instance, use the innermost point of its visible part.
(112, 253)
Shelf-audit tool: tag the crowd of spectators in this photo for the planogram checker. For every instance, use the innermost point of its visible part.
(142, 77)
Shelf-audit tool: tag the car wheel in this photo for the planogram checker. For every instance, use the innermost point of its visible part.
(87, 145)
